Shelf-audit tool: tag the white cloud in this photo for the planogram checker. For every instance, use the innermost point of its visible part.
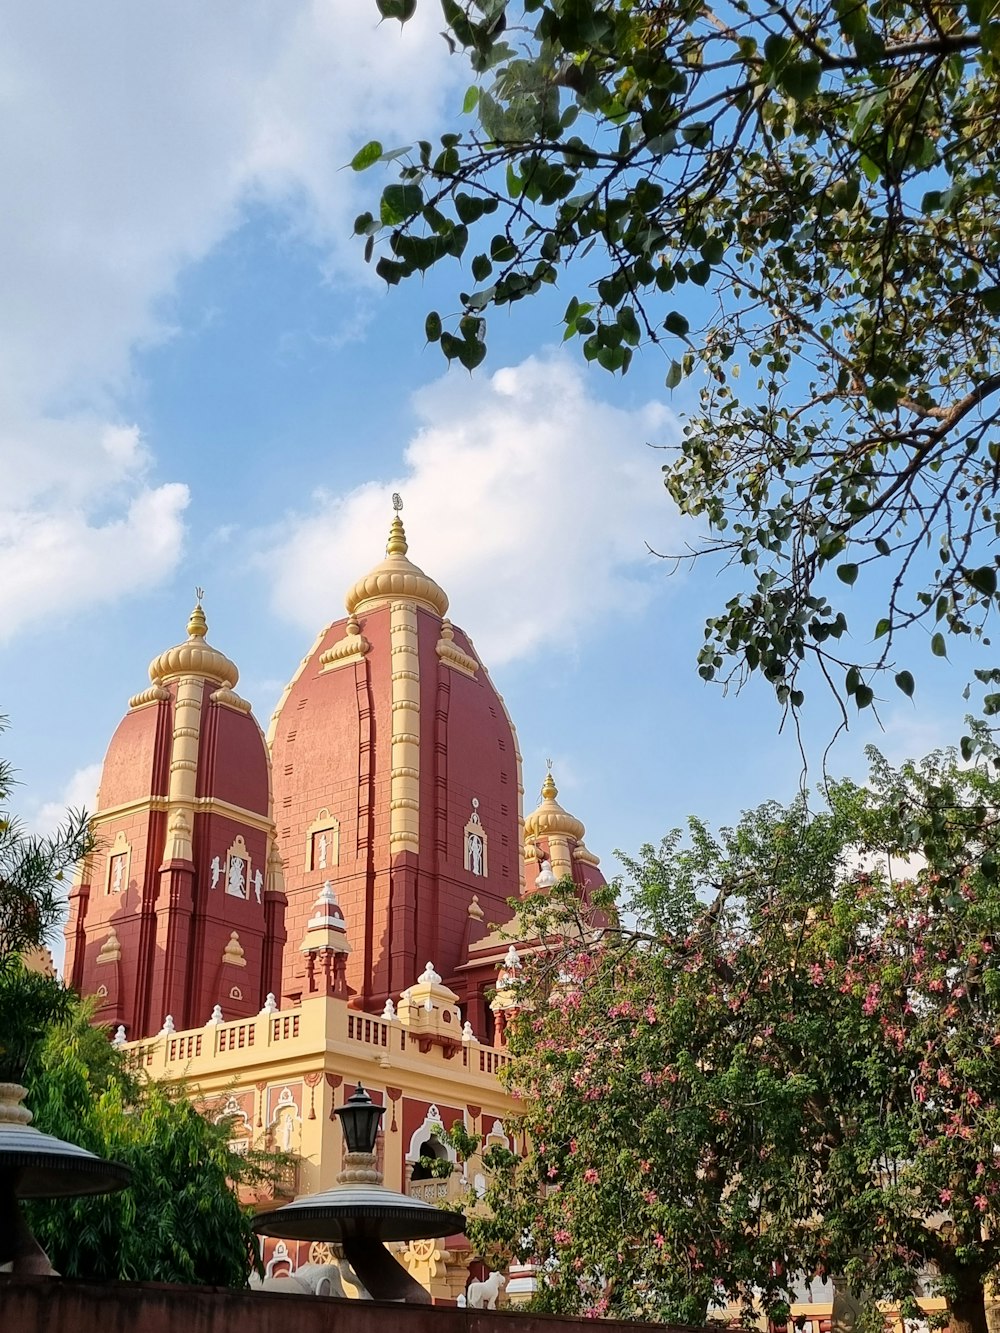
(79, 793)
(144, 132)
(528, 499)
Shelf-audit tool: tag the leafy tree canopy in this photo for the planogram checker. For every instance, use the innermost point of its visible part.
(33, 873)
(180, 1220)
(788, 1068)
(798, 205)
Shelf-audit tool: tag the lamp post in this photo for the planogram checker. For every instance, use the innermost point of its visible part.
(361, 1214)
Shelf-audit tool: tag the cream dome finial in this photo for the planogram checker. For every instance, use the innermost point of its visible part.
(550, 817)
(396, 578)
(396, 545)
(195, 657)
(197, 626)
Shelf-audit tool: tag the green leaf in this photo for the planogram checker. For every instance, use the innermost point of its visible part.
(471, 100)
(481, 267)
(432, 327)
(676, 323)
(364, 157)
(938, 647)
(990, 297)
(847, 573)
(984, 579)
(883, 397)
(800, 78)
(905, 682)
(674, 375)
(403, 10)
(882, 628)
(863, 696)
(400, 202)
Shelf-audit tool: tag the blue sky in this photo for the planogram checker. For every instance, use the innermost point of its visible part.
(201, 383)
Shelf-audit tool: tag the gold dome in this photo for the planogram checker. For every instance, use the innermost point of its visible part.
(551, 818)
(196, 657)
(396, 578)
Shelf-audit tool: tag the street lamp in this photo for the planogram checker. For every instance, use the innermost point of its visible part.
(360, 1214)
(359, 1118)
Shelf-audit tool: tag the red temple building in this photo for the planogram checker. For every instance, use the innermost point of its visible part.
(277, 918)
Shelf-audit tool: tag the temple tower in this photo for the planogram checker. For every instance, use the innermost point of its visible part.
(181, 905)
(397, 777)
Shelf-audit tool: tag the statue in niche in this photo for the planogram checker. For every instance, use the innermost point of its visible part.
(118, 874)
(216, 872)
(475, 853)
(258, 883)
(236, 880)
(322, 846)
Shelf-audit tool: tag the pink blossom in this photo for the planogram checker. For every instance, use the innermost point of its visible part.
(981, 1203)
(562, 1236)
(945, 1196)
(552, 1172)
(651, 1196)
(659, 1241)
(591, 1176)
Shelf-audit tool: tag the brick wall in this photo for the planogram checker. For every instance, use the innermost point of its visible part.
(51, 1305)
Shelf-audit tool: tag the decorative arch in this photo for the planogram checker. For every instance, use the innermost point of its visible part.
(475, 844)
(238, 869)
(119, 866)
(432, 1121)
(233, 1110)
(280, 1262)
(285, 1125)
(497, 1138)
(323, 842)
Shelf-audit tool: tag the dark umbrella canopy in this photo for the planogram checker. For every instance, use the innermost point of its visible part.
(44, 1167)
(350, 1211)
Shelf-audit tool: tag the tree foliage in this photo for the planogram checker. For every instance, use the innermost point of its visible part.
(788, 1068)
(180, 1219)
(797, 205)
(32, 873)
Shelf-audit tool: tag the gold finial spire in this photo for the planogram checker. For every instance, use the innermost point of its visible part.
(549, 789)
(197, 626)
(396, 545)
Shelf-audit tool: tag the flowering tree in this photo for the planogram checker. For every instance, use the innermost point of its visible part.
(794, 205)
(789, 1067)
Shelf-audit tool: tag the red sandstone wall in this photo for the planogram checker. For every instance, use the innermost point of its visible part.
(50, 1305)
(326, 754)
(331, 750)
(162, 971)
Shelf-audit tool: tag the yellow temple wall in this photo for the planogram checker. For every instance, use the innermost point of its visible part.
(281, 1074)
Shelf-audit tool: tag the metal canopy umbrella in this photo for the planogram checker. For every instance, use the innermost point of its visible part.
(361, 1214)
(34, 1165)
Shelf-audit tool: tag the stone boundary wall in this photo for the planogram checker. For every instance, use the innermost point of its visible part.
(54, 1305)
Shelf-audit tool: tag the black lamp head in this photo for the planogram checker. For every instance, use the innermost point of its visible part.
(360, 1119)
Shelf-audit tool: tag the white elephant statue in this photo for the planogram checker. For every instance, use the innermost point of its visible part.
(307, 1280)
(483, 1295)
